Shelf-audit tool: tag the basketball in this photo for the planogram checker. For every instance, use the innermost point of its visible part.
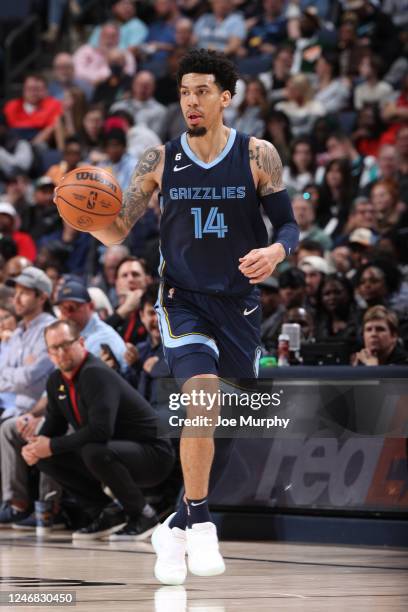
(88, 198)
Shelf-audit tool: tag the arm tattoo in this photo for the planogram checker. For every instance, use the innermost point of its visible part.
(254, 154)
(268, 161)
(136, 197)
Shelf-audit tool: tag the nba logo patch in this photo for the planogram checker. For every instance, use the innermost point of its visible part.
(171, 292)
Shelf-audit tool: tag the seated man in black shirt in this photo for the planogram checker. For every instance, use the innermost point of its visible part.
(115, 440)
(380, 333)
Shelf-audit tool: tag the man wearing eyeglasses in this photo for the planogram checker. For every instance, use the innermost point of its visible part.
(24, 369)
(115, 440)
(75, 304)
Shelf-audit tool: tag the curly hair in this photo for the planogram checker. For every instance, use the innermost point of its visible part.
(203, 61)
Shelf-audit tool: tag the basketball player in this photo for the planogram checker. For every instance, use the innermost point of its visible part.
(214, 251)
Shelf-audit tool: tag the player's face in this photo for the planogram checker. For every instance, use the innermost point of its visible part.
(202, 102)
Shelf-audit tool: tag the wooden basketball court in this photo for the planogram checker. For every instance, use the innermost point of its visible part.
(261, 576)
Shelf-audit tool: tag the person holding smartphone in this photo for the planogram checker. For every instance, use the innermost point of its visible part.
(75, 304)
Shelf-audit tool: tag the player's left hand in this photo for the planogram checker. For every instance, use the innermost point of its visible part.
(258, 264)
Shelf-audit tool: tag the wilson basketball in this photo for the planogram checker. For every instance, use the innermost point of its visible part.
(88, 198)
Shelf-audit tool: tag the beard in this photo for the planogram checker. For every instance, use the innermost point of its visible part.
(197, 131)
(67, 366)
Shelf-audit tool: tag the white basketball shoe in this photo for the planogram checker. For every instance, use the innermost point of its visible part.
(170, 548)
(204, 557)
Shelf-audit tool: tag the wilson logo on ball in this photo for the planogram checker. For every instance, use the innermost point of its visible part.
(94, 176)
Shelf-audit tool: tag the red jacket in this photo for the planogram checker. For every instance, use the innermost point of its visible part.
(47, 111)
(25, 245)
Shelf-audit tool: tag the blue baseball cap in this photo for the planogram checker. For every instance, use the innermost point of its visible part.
(73, 291)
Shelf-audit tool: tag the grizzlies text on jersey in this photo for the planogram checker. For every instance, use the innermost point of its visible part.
(210, 218)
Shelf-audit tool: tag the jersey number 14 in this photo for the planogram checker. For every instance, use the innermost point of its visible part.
(214, 224)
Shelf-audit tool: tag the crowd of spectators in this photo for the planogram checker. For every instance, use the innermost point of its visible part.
(326, 82)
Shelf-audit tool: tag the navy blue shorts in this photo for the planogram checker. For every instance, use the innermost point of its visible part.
(208, 334)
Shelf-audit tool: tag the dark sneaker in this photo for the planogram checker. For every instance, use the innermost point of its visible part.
(27, 524)
(9, 515)
(30, 523)
(136, 530)
(106, 523)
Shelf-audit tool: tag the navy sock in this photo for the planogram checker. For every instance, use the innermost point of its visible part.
(180, 518)
(198, 511)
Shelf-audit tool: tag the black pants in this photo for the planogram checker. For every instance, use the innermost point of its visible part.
(121, 465)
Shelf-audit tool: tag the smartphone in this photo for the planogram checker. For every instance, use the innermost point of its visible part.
(107, 349)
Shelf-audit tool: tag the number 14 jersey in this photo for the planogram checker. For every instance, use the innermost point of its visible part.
(210, 217)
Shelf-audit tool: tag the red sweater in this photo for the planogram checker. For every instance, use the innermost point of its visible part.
(47, 111)
(25, 245)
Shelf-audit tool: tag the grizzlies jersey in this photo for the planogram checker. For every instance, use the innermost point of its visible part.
(210, 218)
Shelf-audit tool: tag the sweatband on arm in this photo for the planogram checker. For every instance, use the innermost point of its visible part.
(278, 208)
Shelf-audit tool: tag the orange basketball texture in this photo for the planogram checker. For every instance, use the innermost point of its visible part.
(88, 198)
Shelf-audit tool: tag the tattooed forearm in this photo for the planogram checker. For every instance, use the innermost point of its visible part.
(134, 205)
(137, 196)
(269, 165)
